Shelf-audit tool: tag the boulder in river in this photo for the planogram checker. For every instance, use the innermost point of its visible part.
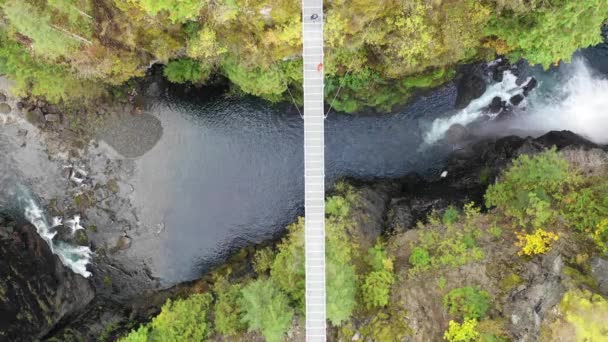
(530, 86)
(456, 133)
(52, 117)
(5, 108)
(36, 290)
(516, 99)
(2, 97)
(36, 117)
(496, 105)
(470, 86)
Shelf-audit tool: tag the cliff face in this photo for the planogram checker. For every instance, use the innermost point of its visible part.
(36, 291)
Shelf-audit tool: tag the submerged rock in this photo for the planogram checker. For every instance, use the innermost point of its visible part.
(36, 290)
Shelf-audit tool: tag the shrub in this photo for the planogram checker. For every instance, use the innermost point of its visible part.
(465, 332)
(419, 258)
(376, 288)
(266, 309)
(377, 284)
(185, 70)
(450, 216)
(142, 334)
(467, 302)
(495, 230)
(588, 313)
(585, 208)
(337, 206)
(450, 247)
(386, 325)
(537, 243)
(262, 260)
(600, 236)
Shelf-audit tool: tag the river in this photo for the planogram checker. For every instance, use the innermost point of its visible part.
(220, 172)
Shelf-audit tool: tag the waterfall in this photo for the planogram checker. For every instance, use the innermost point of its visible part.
(74, 257)
(579, 104)
(476, 109)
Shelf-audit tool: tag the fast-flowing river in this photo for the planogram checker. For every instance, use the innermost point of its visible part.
(220, 172)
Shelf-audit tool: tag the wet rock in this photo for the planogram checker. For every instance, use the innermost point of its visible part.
(20, 105)
(36, 117)
(2, 97)
(52, 109)
(599, 270)
(562, 139)
(516, 99)
(470, 86)
(521, 70)
(22, 132)
(36, 290)
(530, 86)
(52, 117)
(498, 69)
(124, 242)
(5, 108)
(496, 105)
(456, 133)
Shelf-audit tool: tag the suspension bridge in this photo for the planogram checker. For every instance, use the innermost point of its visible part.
(314, 169)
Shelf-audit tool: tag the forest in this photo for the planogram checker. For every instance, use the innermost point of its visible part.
(379, 52)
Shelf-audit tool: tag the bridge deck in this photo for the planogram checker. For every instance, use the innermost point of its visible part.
(314, 169)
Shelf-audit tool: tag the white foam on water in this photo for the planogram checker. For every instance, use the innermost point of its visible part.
(578, 104)
(74, 257)
(505, 90)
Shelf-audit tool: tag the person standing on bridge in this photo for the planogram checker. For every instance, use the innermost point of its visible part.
(320, 67)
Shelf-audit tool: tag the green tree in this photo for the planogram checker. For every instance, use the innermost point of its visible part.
(376, 288)
(340, 273)
(183, 319)
(266, 309)
(38, 78)
(227, 311)
(49, 38)
(142, 334)
(549, 34)
(179, 320)
(530, 181)
(178, 10)
(186, 70)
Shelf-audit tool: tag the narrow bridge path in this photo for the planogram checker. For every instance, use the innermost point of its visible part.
(314, 169)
